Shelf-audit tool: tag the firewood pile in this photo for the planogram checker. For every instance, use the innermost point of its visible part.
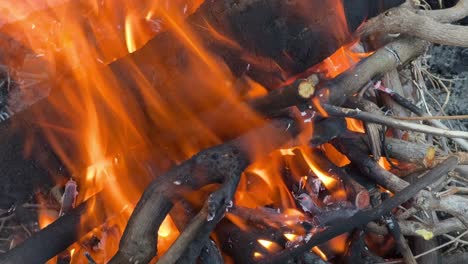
(245, 131)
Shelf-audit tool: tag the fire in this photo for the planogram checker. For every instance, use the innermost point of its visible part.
(320, 253)
(355, 125)
(343, 59)
(290, 237)
(100, 129)
(46, 217)
(114, 124)
(271, 246)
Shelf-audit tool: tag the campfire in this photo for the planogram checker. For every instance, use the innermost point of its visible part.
(247, 131)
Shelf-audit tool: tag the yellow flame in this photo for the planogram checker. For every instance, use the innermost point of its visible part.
(290, 237)
(129, 35)
(265, 243)
(320, 253)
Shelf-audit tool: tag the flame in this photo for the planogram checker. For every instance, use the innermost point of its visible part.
(290, 237)
(72, 252)
(343, 59)
(109, 121)
(330, 182)
(167, 228)
(265, 243)
(334, 155)
(269, 245)
(355, 125)
(45, 216)
(338, 244)
(320, 253)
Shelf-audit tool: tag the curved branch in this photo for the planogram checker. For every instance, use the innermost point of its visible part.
(213, 165)
(448, 15)
(426, 25)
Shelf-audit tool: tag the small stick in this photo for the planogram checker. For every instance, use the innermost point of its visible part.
(365, 116)
(363, 217)
(422, 118)
(401, 243)
(427, 231)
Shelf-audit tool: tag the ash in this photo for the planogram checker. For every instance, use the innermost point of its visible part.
(450, 63)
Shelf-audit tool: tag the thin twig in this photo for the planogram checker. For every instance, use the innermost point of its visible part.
(431, 117)
(379, 119)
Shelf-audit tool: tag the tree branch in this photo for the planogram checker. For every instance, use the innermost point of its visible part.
(424, 25)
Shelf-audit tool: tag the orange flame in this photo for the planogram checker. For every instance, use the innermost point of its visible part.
(343, 59)
(320, 253)
(107, 128)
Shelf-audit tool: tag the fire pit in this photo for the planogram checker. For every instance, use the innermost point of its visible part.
(245, 131)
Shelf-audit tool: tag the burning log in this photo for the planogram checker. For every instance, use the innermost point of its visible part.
(240, 14)
(59, 235)
(348, 83)
(363, 217)
(202, 248)
(356, 193)
(268, 217)
(193, 174)
(222, 163)
(241, 245)
(451, 204)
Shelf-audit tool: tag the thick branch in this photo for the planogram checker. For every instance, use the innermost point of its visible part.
(448, 15)
(348, 83)
(383, 60)
(407, 21)
(59, 235)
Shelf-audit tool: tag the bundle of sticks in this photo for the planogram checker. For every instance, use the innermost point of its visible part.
(436, 181)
